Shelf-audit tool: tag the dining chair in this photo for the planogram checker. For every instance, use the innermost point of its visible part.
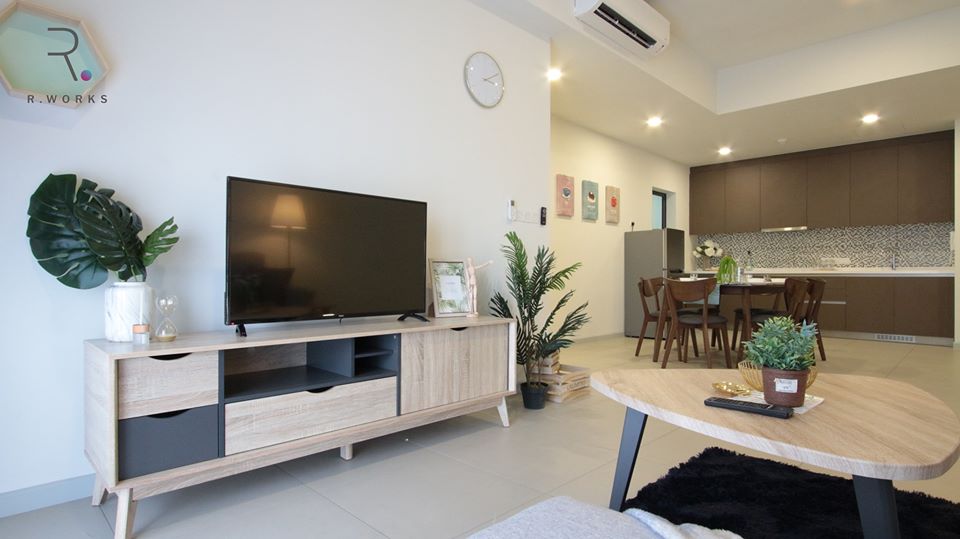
(680, 292)
(815, 291)
(649, 288)
(794, 295)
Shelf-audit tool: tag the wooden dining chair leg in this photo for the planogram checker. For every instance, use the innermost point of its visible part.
(823, 354)
(706, 347)
(666, 349)
(643, 332)
(693, 336)
(736, 329)
(726, 348)
(659, 337)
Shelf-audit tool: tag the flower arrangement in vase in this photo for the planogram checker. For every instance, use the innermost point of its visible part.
(706, 251)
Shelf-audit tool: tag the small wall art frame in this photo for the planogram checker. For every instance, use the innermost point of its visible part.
(50, 57)
(565, 195)
(613, 204)
(451, 291)
(591, 197)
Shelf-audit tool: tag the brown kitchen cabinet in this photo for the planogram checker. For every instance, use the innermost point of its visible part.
(828, 190)
(925, 172)
(923, 306)
(707, 201)
(783, 193)
(833, 308)
(870, 304)
(742, 199)
(873, 186)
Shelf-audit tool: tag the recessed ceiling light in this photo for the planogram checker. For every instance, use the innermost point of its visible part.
(554, 73)
(724, 150)
(654, 121)
(870, 118)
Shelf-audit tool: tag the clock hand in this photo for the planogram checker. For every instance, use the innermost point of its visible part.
(492, 76)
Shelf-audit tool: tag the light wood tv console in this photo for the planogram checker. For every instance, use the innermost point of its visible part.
(165, 416)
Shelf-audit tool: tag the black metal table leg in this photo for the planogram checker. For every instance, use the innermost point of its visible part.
(878, 507)
(633, 425)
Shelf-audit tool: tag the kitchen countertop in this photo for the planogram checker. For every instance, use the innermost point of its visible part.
(852, 272)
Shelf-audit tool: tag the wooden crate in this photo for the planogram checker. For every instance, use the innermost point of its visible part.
(567, 383)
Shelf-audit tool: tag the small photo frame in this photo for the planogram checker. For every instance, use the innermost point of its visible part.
(451, 293)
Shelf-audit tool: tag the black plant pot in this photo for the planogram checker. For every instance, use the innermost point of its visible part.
(534, 395)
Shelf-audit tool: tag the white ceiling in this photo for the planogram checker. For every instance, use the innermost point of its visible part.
(804, 71)
(730, 32)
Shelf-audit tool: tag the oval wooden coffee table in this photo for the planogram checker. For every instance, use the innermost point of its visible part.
(875, 429)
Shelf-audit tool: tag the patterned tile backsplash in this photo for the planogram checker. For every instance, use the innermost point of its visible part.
(916, 246)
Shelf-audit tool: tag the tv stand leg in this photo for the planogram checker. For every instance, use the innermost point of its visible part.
(99, 491)
(126, 510)
(346, 452)
(502, 408)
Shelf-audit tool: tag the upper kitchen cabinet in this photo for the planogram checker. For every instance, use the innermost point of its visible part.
(783, 193)
(873, 186)
(707, 204)
(926, 182)
(828, 190)
(742, 193)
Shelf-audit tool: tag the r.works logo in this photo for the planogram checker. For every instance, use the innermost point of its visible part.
(80, 96)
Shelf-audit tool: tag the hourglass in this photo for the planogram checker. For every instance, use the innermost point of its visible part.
(166, 330)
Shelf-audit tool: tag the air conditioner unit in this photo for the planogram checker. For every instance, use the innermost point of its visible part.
(631, 24)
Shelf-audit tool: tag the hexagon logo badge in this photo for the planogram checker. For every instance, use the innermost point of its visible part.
(48, 57)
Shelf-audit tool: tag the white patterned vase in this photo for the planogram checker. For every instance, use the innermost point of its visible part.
(126, 304)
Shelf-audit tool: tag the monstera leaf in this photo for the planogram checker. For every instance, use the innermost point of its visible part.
(112, 232)
(56, 239)
(159, 241)
(79, 235)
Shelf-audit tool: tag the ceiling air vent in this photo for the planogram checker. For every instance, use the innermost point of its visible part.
(631, 24)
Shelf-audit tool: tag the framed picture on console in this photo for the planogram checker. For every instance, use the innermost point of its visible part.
(451, 292)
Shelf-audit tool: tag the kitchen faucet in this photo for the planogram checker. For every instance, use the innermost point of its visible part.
(893, 260)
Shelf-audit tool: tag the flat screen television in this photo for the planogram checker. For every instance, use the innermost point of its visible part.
(304, 253)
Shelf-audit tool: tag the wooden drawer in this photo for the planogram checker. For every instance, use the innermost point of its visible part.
(272, 420)
(158, 442)
(153, 386)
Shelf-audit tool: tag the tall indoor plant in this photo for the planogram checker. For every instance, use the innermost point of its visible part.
(80, 233)
(784, 349)
(527, 287)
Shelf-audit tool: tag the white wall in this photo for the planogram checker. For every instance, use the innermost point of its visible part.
(587, 155)
(363, 96)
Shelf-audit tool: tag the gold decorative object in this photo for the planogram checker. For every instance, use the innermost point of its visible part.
(730, 388)
(753, 374)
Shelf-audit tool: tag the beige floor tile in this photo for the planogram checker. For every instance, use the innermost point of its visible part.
(416, 493)
(72, 519)
(262, 503)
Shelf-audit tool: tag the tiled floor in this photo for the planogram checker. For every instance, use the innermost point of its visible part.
(454, 477)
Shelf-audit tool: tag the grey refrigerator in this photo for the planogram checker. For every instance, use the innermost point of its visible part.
(648, 253)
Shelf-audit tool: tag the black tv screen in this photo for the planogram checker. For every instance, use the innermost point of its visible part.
(303, 253)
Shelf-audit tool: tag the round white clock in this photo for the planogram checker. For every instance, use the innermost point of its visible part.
(484, 79)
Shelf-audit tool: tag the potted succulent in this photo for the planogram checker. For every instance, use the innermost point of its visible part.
(784, 351)
(527, 287)
(79, 234)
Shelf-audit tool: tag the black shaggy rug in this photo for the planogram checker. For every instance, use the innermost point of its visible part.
(759, 498)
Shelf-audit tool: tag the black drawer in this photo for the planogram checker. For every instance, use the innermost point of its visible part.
(158, 442)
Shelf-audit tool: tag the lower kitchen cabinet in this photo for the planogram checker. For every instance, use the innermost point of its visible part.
(870, 304)
(923, 306)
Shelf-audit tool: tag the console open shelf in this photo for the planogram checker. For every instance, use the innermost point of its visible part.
(268, 383)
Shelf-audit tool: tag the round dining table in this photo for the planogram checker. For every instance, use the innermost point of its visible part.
(753, 286)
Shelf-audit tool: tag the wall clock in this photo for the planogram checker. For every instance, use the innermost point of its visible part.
(484, 79)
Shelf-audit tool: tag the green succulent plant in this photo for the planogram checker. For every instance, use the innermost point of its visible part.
(781, 343)
(528, 286)
(79, 234)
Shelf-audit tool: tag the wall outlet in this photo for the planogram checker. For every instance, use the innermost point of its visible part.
(841, 261)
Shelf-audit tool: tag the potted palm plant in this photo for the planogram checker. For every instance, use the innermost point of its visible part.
(528, 286)
(784, 351)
